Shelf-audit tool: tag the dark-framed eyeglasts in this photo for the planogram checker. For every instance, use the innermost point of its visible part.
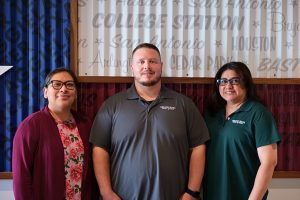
(57, 85)
(225, 81)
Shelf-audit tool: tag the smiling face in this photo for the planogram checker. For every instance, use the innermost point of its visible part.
(232, 93)
(63, 98)
(146, 67)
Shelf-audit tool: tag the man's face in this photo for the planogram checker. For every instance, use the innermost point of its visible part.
(146, 67)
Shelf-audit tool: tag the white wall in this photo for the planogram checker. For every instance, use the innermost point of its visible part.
(6, 192)
(280, 189)
(284, 189)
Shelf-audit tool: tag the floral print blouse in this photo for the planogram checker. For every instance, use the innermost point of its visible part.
(73, 154)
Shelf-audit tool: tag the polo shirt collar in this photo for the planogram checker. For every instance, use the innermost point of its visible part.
(246, 106)
(132, 93)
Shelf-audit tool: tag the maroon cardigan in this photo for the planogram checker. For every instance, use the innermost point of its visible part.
(38, 159)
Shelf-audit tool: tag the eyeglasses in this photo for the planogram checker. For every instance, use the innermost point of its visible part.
(57, 85)
(232, 81)
(140, 62)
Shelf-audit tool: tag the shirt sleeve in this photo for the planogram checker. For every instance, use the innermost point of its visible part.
(24, 145)
(197, 129)
(265, 129)
(101, 128)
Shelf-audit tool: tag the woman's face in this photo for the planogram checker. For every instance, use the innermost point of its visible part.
(61, 92)
(231, 88)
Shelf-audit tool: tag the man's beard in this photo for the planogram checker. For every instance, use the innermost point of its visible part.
(150, 83)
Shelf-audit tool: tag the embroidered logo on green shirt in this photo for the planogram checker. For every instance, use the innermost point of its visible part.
(235, 121)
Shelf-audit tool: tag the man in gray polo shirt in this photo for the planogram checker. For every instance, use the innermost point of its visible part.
(149, 142)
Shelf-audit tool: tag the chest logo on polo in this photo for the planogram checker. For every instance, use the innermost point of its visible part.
(236, 121)
(167, 107)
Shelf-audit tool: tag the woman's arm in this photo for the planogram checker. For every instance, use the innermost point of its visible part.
(268, 159)
(24, 145)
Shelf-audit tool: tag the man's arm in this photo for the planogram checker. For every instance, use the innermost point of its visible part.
(196, 170)
(101, 161)
(268, 159)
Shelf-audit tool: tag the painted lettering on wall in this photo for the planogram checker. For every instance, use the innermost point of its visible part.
(195, 37)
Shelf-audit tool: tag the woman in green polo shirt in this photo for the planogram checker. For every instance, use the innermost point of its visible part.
(242, 151)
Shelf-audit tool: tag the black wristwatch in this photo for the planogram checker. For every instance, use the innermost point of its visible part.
(194, 194)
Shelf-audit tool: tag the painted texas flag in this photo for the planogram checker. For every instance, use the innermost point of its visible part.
(3, 69)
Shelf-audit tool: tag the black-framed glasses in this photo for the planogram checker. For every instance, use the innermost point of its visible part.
(57, 85)
(225, 81)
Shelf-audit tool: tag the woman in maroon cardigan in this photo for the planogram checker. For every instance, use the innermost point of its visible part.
(51, 152)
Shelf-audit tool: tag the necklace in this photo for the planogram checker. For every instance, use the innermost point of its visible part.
(70, 122)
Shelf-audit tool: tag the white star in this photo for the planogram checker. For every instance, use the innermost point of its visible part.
(256, 24)
(289, 44)
(218, 43)
(99, 41)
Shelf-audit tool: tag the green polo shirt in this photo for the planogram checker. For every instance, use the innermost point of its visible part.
(232, 158)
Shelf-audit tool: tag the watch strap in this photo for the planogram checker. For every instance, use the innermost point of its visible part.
(194, 194)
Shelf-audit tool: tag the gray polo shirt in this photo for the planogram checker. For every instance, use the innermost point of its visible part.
(149, 143)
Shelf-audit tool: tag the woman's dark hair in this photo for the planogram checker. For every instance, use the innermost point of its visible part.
(216, 101)
(58, 70)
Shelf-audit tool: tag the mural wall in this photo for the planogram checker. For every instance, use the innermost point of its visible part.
(195, 36)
